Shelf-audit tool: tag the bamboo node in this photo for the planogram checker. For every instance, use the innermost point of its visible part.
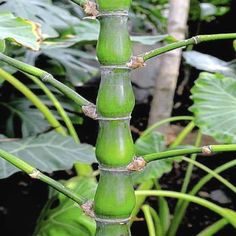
(90, 8)
(35, 174)
(137, 164)
(196, 39)
(46, 77)
(136, 62)
(112, 221)
(90, 111)
(87, 208)
(206, 150)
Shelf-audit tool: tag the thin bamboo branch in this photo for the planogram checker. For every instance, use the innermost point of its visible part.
(194, 40)
(46, 77)
(207, 150)
(34, 99)
(224, 212)
(34, 173)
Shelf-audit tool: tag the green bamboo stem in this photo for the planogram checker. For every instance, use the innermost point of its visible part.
(194, 40)
(34, 99)
(58, 107)
(34, 173)
(181, 212)
(207, 150)
(149, 220)
(45, 77)
(159, 123)
(214, 228)
(224, 212)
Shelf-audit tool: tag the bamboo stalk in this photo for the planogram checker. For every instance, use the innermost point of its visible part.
(114, 199)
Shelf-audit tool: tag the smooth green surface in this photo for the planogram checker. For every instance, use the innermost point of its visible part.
(115, 195)
(114, 45)
(112, 229)
(115, 96)
(114, 5)
(114, 144)
(186, 42)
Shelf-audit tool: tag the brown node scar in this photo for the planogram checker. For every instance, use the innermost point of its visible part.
(90, 8)
(87, 208)
(137, 164)
(206, 150)
(90, 111)
(136, 62)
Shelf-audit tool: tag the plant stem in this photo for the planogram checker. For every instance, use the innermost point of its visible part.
(209, 171)
(34, 99)
(181, 211)
(149, 220)
(58, 106)
(214, 228)
(224, 212)
(183, 134)
(182, 152)
(45, 77)
(81, 168)
(185, 184)
(157, 222)
(159, 123)
(194, 40)
(34, 173)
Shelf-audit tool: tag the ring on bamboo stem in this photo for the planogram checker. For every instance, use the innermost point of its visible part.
(113, 169)
(125, 67)
(113, 118)
(196, 39)
(112, 221)
(113, 13)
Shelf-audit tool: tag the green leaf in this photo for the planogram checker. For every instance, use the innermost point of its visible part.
(67, 219)
(209, 63)
(51, 17)
(151, 143)
(150, 39)
(32, 121)
(47, 152)
(214, 98)
(23, 32)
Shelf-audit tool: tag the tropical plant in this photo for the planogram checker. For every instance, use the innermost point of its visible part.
(111, 202)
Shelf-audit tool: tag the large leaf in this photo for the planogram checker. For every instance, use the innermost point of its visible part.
(209, 63)
(51, 17)
(67, 219)
(32, 120)
(22, 31)
(151, 143)
(214, 107)
(47, 152)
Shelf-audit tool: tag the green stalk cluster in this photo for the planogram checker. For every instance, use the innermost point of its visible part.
(115, 198)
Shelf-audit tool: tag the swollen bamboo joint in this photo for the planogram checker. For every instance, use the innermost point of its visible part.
(115, 198)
